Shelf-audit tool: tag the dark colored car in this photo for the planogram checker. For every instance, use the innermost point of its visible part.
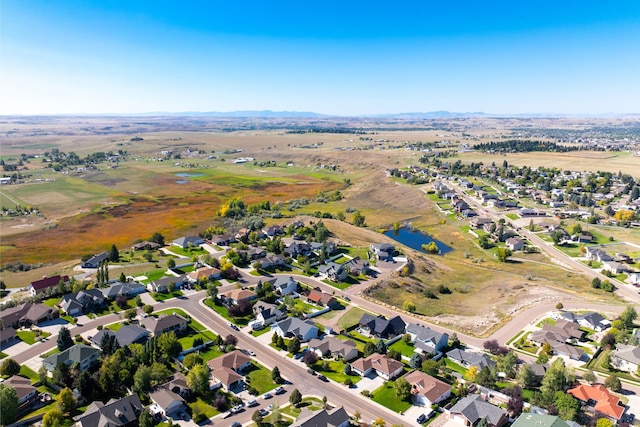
(421, 419)
(323, 378)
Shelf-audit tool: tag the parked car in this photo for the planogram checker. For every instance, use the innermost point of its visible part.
(279, 390)
(235, 424)
(421, 419)
(311, 371)
(251, 352)
(252, 403)
(267, 396)
(323, 378)
(263, 412)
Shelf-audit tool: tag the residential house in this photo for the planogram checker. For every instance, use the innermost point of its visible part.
(267, 313)
(165, 323)
(27, 314)
(273, 230)
(204, 273)
(95, 260)
(597, 398)
(188, 241)
(634, 277)
(115, 413)
(470, 409)
(178, 384)
(380, 364)
(626, 358)
(427, 390)
(356, 266)
(329, 247)
(383, 251)
(593, 321)
(332, 346)
(558, 336)
(333, 271)
(163, 284)
(380, 327)
(426, 340)
(165, 401)
(614, 267)
(290, 327)
(532, 419)
(7, 334)
(127, 334)
(272, 260)
(298, 248)
(146, 246)
(226, 370)
(24, 390)
(83, 355)
(76, 303)
(318, 297)
(127, 289)
(336, 417)
(284, 285)
(42, 285)
(223, 239)
(469, 359)
(514, 244)
(237, 296)
(593, 253)
(479, 222)
(254, 252)
(538, 370)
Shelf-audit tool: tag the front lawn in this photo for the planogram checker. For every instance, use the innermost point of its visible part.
(211, 353)
(386, 396)
(310, 403)
(160, 297)
(202, 407)
(259, 377)
(349, 281)
(115, 326)
(335, 371)
(30, 337)
(350, 317)
(404, 348)
(224, 312)
(27, 372)
(454, 366)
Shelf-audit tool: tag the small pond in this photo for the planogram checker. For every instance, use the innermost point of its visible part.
(416, 238)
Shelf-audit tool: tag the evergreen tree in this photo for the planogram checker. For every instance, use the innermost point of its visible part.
(8, 404)
(114, 254)
(64, 339)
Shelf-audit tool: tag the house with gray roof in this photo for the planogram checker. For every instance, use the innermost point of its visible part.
(95, 260)
(469, 359)
(115, 413)
(426, 340)
(127, 289)
(83, 355)
(383, 251)
(336, 417)
(165, 401)
(626, 358)
(76, 303)
(268, 313)
(127, 334)
(290, 327)
(284, 285)
(332, 346)
(165, 323)
(594, 321)
(357, 266)
(188, 241)
(333, 271)
(162, 285)
(470, 409)
(380, 327)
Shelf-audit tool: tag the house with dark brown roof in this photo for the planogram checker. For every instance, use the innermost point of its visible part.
(27, 314)
(24, 390)
(226, 370)
(237, 296)
(39, 286)
(165, 323)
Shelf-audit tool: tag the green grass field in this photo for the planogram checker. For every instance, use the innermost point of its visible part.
(386, 396)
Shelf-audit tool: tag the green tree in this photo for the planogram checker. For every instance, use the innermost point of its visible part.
(66, 401)
(503, 254)
(114, 254)
(409, 306)
(130, 314)
(628, 316)
(257, 418)
(604, 422)
(358, 219)
(275, 375)
(8, 404)
(171, 263)
(369, 349)
(191, 360)
(122, 278)
(294, 345)
(146, 419)
(142, 379)
(525, 376)
(42, 375)
(169, 345)
(138, 301)
(52, 418)
(64, 339)
(295, 398)
(9, 367)
(612, 382)
(416, 361)
(198, 379)
(590, 377)
(402, 389)
(147, 308)
(555, 380)
(157, 238)
(567, 405)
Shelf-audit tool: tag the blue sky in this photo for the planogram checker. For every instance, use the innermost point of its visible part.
(345, 58)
